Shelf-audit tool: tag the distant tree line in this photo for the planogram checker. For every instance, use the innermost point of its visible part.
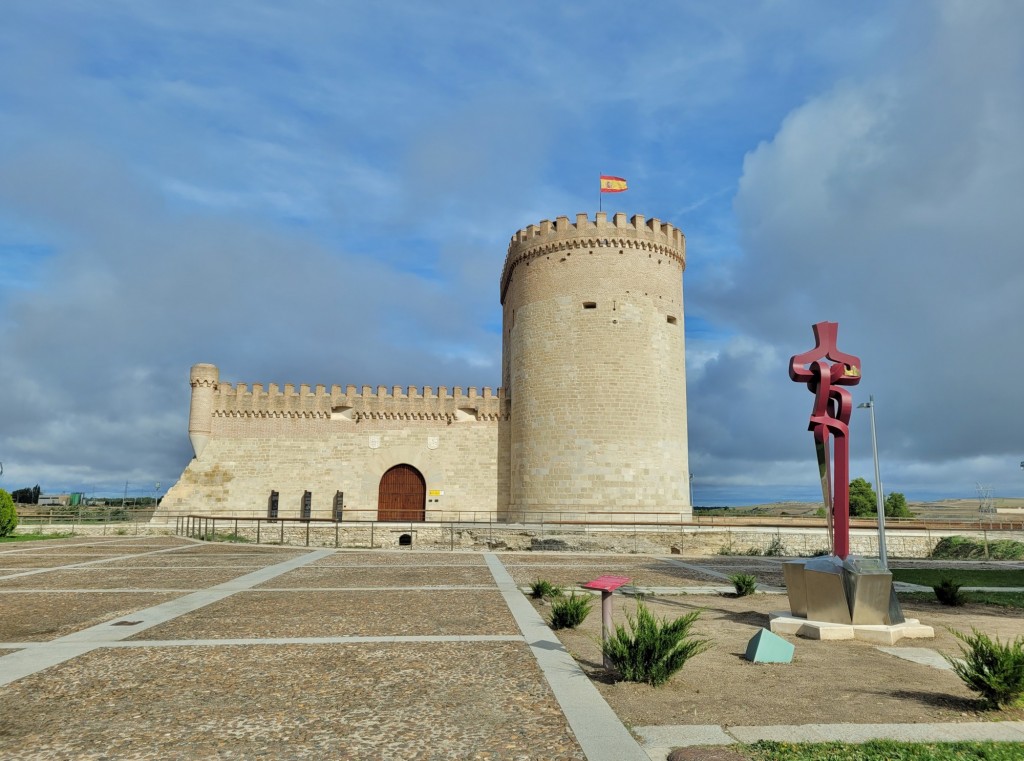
(864, 501)
(27, 496)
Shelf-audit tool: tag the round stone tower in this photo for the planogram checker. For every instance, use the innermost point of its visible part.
(593, 362)
(203, 378)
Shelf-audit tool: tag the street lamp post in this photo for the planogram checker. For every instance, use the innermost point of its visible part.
(882, 555)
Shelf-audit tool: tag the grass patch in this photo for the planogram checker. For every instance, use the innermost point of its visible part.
(884, 750)
(35, 537)
(1002, 599)
(965, 577)
(218, 537)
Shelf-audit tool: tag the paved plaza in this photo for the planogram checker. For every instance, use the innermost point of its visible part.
(162, 647)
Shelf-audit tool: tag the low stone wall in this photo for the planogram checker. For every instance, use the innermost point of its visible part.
(692, 541)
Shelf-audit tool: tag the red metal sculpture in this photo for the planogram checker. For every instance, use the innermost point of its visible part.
(830, 417)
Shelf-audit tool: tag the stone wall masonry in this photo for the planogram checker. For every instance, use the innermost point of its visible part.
(247, 459)
(691, 541)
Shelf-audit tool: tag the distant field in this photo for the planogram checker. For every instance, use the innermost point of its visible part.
(946, 509)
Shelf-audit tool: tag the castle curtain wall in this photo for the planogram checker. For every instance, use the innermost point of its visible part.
(291, 442)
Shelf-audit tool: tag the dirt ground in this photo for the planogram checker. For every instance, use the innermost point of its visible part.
(827, 682)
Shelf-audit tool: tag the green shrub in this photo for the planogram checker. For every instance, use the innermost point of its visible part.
(569, 612)
(1006, 549)
(775, 549)
(948, 593)
(542, 588)
(962, 548)
(652, 651)
(8, 514)
(745, 584)
(990, 667)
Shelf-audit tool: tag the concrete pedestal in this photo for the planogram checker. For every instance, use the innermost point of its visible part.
(783, 622)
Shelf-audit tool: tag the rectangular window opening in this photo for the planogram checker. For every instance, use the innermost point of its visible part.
(590, 305)
(671, 320)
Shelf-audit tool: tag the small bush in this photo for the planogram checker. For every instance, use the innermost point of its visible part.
(569, 612)
(745, 584)
(775, 549)
(542, 588)
(8, 514)
(948, 593)
(962, 548)
(991, 668)
(652, 651)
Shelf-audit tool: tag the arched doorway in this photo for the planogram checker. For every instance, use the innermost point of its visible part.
(402, 495)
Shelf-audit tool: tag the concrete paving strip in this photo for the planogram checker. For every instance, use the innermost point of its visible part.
(923, 655)
(697, 568)
(46, 654)
(1012, 731)
(659, 740)
(598, 730)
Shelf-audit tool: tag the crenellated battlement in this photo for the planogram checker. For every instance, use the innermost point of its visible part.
(352, 404)
(563, 235)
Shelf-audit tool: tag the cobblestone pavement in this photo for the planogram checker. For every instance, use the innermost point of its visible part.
(446, 673)
(167, 648)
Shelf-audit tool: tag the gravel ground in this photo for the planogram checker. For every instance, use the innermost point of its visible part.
(41, 616)
(827, 682)
(569, 571)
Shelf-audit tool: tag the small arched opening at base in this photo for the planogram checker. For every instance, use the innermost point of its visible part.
(402, 495)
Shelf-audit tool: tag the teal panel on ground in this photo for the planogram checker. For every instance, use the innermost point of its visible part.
(765, 647)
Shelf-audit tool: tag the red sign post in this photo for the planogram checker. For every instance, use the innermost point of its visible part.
(607, 585)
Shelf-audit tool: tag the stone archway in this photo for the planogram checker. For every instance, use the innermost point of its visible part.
(402, 495)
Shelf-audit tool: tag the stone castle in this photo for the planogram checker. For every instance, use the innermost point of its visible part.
(590, 420)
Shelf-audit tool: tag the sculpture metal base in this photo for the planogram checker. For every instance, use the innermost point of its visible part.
(782, 622)
(855, 591)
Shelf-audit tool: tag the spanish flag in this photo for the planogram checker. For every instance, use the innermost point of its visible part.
(611, 184)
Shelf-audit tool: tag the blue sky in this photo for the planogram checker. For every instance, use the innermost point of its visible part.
(323, 193)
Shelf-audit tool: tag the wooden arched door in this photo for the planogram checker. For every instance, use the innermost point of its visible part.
(402, 495)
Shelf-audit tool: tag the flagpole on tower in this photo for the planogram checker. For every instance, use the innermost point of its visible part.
(609, 184)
